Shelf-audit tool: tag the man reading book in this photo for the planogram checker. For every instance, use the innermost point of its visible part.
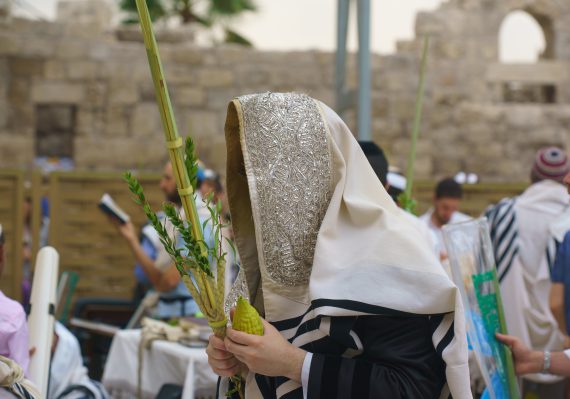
(154, 268)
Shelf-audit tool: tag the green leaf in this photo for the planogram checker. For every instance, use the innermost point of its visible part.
(231, 36)
(156, 10)
(191, 162)
(231, 7)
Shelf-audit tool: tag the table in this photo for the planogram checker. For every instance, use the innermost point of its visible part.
(165, 362)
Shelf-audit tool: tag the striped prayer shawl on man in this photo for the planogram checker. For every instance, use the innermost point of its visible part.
(362, 355)
(524, 255)
(331, 263)
(503, 229)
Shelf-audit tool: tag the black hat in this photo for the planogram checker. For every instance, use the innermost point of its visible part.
(376, 158)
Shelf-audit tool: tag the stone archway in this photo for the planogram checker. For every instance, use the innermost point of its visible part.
(532, 46)
(551, 15)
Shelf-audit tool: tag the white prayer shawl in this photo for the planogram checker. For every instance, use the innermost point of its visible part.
(429, 237)
(561, 226)
(525, 286)
(67, 369)
(13, 383)
(313, 224)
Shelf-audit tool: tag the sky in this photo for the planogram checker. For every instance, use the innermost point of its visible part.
(311, 24)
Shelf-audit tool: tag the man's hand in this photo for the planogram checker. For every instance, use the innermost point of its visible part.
(270, 354)
(127, 229)
(526, 361)
(223, 363)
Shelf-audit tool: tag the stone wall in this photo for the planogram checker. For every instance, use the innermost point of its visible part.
(105, 84)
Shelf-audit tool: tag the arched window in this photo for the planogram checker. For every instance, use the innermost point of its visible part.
(525, 38)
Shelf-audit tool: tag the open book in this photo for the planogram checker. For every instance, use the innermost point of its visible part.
(107, 205)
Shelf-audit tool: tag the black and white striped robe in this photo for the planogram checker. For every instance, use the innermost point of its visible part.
(328, 259)
(527, 311)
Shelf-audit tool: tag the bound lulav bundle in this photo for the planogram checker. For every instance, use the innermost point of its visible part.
(194, 260)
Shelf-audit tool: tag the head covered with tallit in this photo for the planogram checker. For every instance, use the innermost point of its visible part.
(317, 234)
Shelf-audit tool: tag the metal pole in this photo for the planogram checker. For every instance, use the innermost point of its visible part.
(364, 80)
(340, 62)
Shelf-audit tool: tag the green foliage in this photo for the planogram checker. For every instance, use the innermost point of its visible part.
(216, 12)
(407, 203)
(195, 259)
(191, 162)
(231, 7)
(156, 10)
(235, 38)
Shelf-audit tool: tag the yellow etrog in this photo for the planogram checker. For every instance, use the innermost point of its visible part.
(246, 318)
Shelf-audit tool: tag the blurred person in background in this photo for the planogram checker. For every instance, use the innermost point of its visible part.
(446, 202)
(14, 338)
(155, 269)
(379, 163)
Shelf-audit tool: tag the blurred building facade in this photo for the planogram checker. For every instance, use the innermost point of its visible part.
(77, 88)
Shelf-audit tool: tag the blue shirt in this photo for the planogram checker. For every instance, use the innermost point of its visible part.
(561, 274)
(151, 251)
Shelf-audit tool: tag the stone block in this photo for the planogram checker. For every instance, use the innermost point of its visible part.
(145, 121)
(89, 122)
(18, 92)
(82, 70)
(55, 69)
(3, 94)
(187, 96)
(25, 67)
(9, 43)
(186, 54)
(429, 23)
(204, 123)
(116, 122)
(71, 49)
(164, 35)
(213, 77)
(16, 150)
(525, 116)
(36, 46)
(423, 167)
(99, 51)
(146, 91)
(181, 74)
(305, 75)
(98, 13)
(402, 107)
(218, 99)
(448, 48)
(95, 94)
(251, 76)
(123, 92)
(118, 154)
(57, 92)
(327, 96)
(446, 167)
(233, 55)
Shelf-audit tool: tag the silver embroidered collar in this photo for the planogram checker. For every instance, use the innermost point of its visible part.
(286, 151)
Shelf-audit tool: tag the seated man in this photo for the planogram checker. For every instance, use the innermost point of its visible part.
(154, 266)
(68, 376)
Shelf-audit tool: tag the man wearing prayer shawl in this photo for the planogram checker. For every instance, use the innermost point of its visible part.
(522, 231)
(355, 303)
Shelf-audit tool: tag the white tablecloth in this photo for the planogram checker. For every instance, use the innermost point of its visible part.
(165, 362)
